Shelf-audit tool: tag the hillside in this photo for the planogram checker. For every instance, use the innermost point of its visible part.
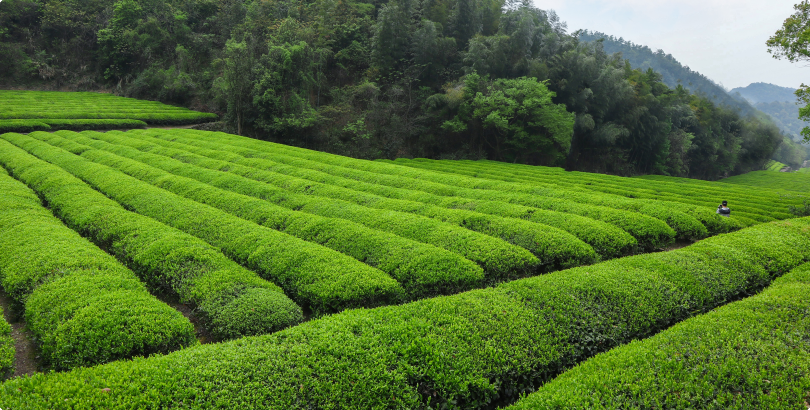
(388, 79)
(769, 103)
(765, 93)
(312, 280)
(672, 71)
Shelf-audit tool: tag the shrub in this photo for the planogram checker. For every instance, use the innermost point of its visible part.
(651, 233)
(607, 240)
(746, 355)
(82, 306)
(552, 247)
(421, 269)
(314, 276)
(462, 351)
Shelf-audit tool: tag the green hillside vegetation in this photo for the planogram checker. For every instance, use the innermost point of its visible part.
(774, 166)
(673, 73)
(342, 77)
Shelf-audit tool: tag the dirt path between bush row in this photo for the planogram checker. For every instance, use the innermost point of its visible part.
(25, 359)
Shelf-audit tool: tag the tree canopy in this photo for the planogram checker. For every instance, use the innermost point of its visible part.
(497, 79)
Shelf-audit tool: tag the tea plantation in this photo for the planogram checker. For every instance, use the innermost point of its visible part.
(26, 111)
(314, 281)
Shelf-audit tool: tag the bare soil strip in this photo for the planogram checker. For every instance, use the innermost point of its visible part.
(25, 355)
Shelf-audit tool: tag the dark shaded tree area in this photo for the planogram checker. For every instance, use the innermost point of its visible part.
(494, 79)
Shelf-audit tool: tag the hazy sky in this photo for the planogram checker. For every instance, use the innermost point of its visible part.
(722, 39)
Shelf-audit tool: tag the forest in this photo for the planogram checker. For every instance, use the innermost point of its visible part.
(442, 79)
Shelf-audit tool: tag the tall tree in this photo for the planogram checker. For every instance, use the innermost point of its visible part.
(792, 42)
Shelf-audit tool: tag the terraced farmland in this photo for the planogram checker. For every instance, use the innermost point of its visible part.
(27, 111)
(307, 280)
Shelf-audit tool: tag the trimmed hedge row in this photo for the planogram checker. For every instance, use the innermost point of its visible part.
(650, 232)
(686, 226)
(467, 351)
(62, 106)
(498, 258)
(553, 248)
(422, 270)
(82, 306)
(702, 211)
(607, 240)
(790, 181)
(768, 195)
(752, 354)
(314, 276)
(224, 294)
(628, 187)
(26, 126)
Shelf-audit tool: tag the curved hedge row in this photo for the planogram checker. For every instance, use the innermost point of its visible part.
(498, 258)
(650, 232)
(765, 195)
(789, 181)
(225, 294)
(559, 183)
(662, 191)
(686, 226)
(317, 277)
(82, 306)
(461, 351)
(553, 248)
(746, 355)
(24, 126)
(422, 270)
(607, 240)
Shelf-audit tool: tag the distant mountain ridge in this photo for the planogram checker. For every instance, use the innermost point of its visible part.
(765, 93)
(776, 101)
(673, 72)
(766, 101)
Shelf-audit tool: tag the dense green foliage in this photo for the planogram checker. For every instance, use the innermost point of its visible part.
(82, 306)
(792, 42)
(693, 364)
(422, 270)
(224, 294)
(463, 351)
(387, 79)
(316, 277)
(673, 73)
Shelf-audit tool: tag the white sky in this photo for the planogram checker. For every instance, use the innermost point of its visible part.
(722, 39)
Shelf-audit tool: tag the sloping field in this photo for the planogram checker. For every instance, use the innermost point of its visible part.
(784, 181)
(774, 166)
(27, 111)
(329, 282)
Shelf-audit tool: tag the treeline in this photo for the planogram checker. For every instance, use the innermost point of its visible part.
(490, 79)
